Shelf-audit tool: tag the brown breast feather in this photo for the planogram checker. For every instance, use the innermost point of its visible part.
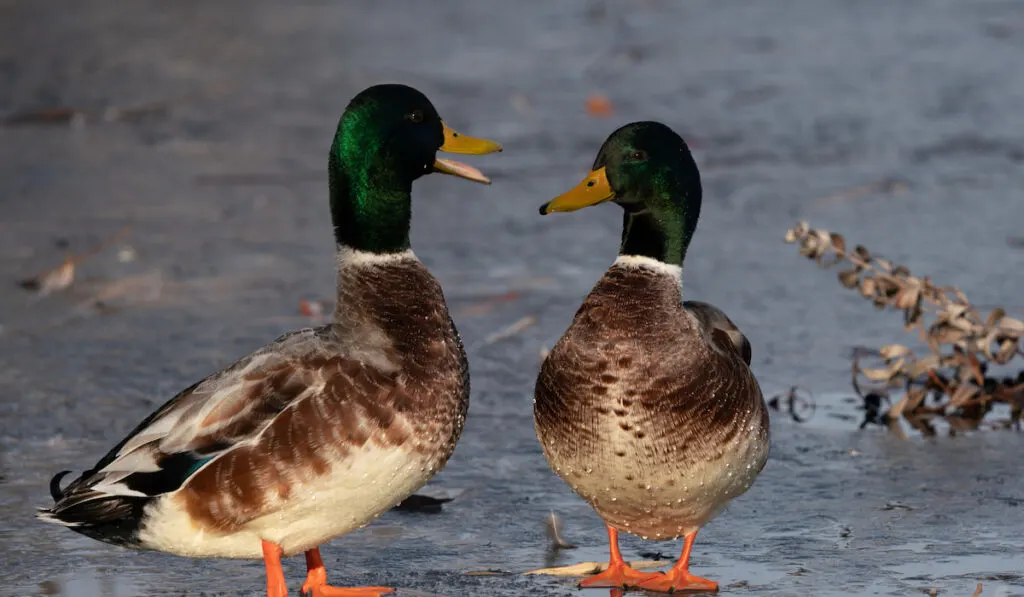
(420, 405)
(679, 396)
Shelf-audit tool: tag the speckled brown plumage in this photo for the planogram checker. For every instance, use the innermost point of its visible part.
(325, 405)
(646, 406)
(389, 372)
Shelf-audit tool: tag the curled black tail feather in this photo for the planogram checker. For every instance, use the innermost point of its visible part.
(109, 518)
(115, 520)
(55, 491)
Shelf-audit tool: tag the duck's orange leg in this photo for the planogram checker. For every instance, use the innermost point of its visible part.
(276, 586)
(316, 581)
(678, 578)
(618, 574)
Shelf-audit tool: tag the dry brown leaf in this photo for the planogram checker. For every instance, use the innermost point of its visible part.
(919, 367)
(912, 317)
(961, 341)
(877, 374)
(868, 287)
(907, 298)
(798, 231)
(962, 395)
(53, 280)
(63, 275)
(914, 398)
(839, 243)
(993, 317)
(891, 351)
(849, 278)
(1007, 350)
(951, 313)
(887, 286)
(945, 334)
(896, 410)
(1011, 327)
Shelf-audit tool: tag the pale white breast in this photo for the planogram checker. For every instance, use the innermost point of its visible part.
(348, 497)
(669, 501)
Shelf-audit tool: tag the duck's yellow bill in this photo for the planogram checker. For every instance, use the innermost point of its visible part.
(594, 189)
(458, 143)
(459, 169)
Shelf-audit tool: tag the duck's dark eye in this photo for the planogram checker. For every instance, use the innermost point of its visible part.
(638, 155)
(416, 116)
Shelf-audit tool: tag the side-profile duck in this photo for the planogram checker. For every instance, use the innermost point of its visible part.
(321, 431)
(646, 406)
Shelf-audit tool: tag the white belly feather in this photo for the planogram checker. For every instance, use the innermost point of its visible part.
(368, 483)
(661, 502)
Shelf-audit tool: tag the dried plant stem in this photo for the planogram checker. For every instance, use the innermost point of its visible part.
(963, 344)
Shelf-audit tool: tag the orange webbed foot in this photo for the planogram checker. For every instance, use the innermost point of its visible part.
(316, 582)
(678, 581)
(616, 575)
(329, 591)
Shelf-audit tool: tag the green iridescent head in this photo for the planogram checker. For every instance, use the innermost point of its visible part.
(648, 170)
(389, 136)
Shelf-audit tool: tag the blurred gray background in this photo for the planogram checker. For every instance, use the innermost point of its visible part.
(204, 127)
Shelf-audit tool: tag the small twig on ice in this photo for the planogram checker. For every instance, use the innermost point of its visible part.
(553, 526)
(588, 568)
(511, 330)
(62, 276)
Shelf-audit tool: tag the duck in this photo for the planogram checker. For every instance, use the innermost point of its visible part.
(319, 432)
(646, 406)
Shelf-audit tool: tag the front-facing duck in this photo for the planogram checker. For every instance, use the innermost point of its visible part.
(321, 431)
(646, 406)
